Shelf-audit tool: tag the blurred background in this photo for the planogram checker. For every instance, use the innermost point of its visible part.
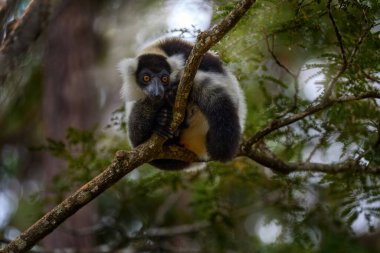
(62, 120)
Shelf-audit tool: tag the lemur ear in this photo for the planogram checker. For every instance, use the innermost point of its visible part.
(130, 90)
(176, 62)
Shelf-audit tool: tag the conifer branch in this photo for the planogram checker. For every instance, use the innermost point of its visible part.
(312, 109)
(262, 155)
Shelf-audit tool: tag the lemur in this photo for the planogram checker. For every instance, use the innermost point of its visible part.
(216, 109)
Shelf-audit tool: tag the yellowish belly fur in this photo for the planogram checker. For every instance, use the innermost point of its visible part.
(194, 137)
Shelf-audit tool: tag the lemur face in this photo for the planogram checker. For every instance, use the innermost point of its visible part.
(153, 75)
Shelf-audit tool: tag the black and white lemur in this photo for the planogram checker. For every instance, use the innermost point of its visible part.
(216, 109)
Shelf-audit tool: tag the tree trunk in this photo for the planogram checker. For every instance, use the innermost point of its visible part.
(70, 100)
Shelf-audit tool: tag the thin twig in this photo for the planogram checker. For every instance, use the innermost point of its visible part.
(337, 33)
(294, 76)
(345, 62)
(358, 44)
(313, 151)
(331, 84)
(176, 230)
(278, 62)
(370, 77)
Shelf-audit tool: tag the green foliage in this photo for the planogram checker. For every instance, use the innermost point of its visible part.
(23, 109)
(272, 48)
(290, 34)
(85, 152)
(241, 206)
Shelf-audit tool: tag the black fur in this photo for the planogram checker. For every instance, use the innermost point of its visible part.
(153, 62)
(148, 116)
(224, 133)
(164, 118)
(155, 66)
(166, 164)
(142, 120)
(215, 103)
(174, 46)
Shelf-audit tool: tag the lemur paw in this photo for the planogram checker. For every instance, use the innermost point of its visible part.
(164, 119)
(170, 94)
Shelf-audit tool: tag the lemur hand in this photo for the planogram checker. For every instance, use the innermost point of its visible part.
(170, 94)
(164, 118)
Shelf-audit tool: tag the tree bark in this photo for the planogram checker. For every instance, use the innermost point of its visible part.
(70, 100)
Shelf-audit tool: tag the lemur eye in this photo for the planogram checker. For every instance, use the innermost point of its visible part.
(165, 79)
(146, 78)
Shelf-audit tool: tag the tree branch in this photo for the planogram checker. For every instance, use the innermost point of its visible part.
(262, 155)
(204, 42)
(294, 76)
(312, 109)
(21, 34)
(125, 162)
(337, 33)
(345, 62)
(6, 8)
(275, 58)
(327, 100)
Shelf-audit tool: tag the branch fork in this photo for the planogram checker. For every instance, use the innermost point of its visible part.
(124, 162)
